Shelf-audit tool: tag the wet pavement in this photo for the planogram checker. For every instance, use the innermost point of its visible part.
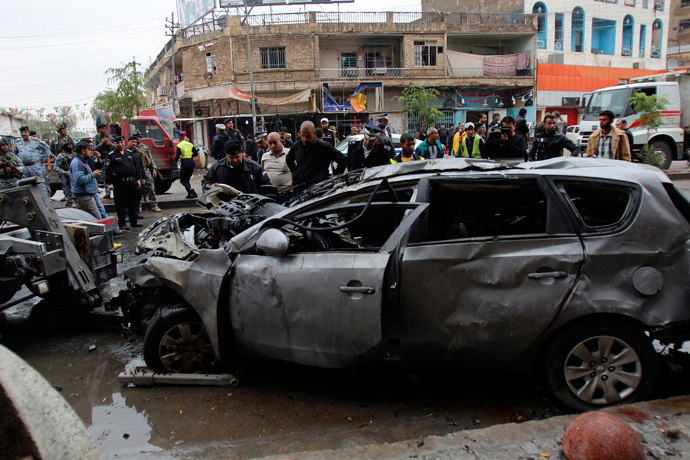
(278, 409)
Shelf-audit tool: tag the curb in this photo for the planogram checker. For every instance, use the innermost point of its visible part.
(682, 175)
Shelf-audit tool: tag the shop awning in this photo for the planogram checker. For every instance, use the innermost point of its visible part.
(230, 92)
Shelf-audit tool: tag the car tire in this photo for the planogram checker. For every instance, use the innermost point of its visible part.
(666, 152)
(624, 374)
(176, 341)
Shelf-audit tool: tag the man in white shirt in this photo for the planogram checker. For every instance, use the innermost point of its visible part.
(275, 166)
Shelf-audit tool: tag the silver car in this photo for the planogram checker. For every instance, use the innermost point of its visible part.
(568, 268)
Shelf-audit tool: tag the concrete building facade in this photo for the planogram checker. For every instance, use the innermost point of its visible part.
(308, 65)
(584, 39)
(679, 34)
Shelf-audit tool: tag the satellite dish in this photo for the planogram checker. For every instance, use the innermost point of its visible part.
(199, 112)
(672, 65)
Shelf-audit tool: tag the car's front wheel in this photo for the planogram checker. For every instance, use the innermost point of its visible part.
(176, 341)
(591, 366)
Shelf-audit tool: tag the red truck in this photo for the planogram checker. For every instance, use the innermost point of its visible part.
(159, 135)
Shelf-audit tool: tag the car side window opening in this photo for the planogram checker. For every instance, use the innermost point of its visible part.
(601, 207)
(476, 210)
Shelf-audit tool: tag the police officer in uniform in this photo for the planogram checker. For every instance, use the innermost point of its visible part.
(57, 144)
(62, 164)
(185, 155)
(10, 167)
(328, 134)
(368, 152)
(33, 155)
(122, 177)
(150, 173)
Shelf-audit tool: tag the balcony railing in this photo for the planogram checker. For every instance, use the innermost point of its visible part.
(641, 52)
(479, 19)
(429, 72)
(626, 51)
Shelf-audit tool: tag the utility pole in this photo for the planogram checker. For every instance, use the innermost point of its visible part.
(172, 27)
(252, 101)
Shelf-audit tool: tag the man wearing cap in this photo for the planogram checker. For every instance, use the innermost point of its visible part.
(10, 167)
(84, 182)
(219, 141)
(103, 143)
(185, 155)
(123, 178)
(273, 162)
(233, 132)
(328, 132)
(286, 138)
(150, 172)
(431, 148)
(383, 120)
(56, 146)
(258, 147)
(33, 155)
(368, 152)
(236, 170)
(471, 146)
(309, 158)
(62, 167)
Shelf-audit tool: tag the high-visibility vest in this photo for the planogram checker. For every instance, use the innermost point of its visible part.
(476, 151)
(186, 149)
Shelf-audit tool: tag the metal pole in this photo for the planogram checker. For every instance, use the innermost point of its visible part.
(174, 85)
(251, 71)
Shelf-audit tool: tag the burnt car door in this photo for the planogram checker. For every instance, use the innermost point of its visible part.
(321, 303)
(494, 262)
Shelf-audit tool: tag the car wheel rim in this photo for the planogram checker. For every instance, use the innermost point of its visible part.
(603, 370)
(186, 347)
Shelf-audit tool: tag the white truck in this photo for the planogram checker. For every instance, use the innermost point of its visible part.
(669, 139)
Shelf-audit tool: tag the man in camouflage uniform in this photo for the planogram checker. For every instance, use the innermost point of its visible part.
(62, 163)
(33, 155)
(103, 146)
(57, 144)
(10, 167)
(150, 172)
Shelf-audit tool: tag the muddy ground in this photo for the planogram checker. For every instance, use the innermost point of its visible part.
(278, 408)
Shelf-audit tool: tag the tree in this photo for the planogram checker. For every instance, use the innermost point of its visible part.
(127, 98)
(417, 100)
(648, 109)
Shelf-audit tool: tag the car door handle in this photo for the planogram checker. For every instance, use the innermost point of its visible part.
(362, 289)
(537, 276)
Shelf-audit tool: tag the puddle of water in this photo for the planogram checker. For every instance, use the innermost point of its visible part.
(119, 430)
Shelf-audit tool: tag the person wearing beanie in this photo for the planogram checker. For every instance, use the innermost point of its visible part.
(235, 170)
(84, 181)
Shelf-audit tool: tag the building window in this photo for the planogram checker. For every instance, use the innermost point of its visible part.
(628, 32)
(659, 5)
(684, 3)
(211, 63)
(424, 54)
(578, 30)
(540, 10)
(558, 32)
(348, 64)
(645, 4)
(273, 58)
(643, 39)
(629, 2)
(657, 36)
(684, 25)
(603, 36)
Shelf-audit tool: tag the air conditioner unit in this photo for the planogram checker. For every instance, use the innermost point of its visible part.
(556, 59)
(201, 112)
(659, 6)
(638, 65)
(162, 91)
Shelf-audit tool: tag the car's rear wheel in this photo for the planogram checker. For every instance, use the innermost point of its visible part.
(591, 366)
(176, 341)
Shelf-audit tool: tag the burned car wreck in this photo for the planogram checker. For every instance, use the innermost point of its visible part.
(568, 267)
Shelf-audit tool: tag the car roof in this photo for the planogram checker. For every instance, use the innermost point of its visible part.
(569, 166)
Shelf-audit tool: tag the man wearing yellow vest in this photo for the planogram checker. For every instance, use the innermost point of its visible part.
(471, 145)
(185, 155)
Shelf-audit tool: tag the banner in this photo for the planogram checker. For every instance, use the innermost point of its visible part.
(166, 112)
(229, 92)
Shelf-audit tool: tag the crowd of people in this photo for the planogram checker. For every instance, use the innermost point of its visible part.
(126, 167)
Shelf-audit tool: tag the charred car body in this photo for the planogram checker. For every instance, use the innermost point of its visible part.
(569, 267)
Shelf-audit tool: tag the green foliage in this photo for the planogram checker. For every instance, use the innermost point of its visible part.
(648, 109)
(123, 102)
(417, 99)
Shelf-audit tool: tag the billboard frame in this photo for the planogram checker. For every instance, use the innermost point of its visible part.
(199, 15)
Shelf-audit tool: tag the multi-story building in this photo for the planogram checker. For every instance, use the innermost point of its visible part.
(308, 65)
(679, 34)
(588, 44)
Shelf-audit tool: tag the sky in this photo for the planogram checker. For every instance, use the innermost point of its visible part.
(56, 53)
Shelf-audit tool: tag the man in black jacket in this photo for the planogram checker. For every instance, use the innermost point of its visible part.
(309, 158)
(235, 170)
(368, 152)
(219, 141)
(499, 147)
(550, 143)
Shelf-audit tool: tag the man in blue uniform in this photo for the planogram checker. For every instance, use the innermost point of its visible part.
(33, 155)
(368, 152)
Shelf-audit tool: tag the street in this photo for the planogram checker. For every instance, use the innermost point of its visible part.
(278, 408)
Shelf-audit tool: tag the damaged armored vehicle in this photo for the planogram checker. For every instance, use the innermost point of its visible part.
(574, 269)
